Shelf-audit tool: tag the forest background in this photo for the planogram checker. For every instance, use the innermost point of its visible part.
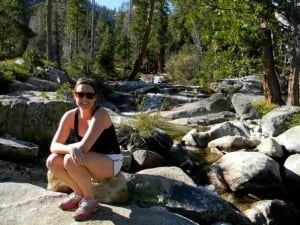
(191, 42)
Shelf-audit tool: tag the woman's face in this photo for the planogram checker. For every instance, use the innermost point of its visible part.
(85, 96)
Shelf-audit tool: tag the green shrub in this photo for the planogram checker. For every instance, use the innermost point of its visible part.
(77, 67)
(14, 71)
(145, 123)
(182, 67)
(64, 92)
(263, 108)
(32, 59)
(293, 121)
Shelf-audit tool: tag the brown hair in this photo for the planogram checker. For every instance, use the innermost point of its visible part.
(87, 81)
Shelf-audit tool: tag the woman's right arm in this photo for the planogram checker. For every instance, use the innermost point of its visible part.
(58, 142)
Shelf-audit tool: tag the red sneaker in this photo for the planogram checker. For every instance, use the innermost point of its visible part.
(70, 202)
(86, 209)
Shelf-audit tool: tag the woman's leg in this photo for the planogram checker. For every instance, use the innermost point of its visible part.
(55, 163)
(98, 166)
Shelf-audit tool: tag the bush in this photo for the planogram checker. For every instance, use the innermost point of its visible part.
(182, 68)
(32, 59)
(77, 67)
(64, 92)
(293, 121)
(264, 108)
(13, 71)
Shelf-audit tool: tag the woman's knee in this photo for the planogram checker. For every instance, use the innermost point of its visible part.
(54, 161)
(68, 161)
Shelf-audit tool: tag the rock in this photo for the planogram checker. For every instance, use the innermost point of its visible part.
(247, 172)
(159, 79)
(159, 101)
(222, 223)
(147, 159)
(158, 141)
(172, 173)
(252, 84)
(128, 86)
(242, 105)
(290, 140)
(191, 137)
(196, 203)
(16, 85)
(270, 147)
(292, 170)
(42, 85)
(246, 84)
(13, 149)
(21, 173)
(273, 122)
(20, 61)
(275, 212)
(56, 75)
(31, 117)
(231, 143)
(127, 159)
(214, 104)
(226, 88)
(144, 90)
(111, 190)
(205, 120)
(124, 101)
(54, 184)
(201, 139)
(32, 205)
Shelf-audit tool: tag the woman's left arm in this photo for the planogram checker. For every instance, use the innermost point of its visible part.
(99, 122)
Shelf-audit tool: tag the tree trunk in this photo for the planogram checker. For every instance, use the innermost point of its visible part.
(92, 29)
(139, 61)
(270, 85)
(293, 88)
(293, 85)
(49, 31)
(57, 41)
(161, 60)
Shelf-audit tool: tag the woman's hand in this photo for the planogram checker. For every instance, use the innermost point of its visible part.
(77, 155)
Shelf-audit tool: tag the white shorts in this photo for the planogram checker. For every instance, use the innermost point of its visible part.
(117, 162)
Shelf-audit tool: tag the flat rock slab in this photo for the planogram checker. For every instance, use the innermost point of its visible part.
(22, 203)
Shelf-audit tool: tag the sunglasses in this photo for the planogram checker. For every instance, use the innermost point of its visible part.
(88, 95)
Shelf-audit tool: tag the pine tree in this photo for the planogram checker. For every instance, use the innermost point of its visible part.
(12, 30)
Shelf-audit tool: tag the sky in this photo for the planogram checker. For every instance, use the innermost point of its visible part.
(111, 4)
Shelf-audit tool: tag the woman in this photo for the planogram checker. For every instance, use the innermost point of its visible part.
(96, 154)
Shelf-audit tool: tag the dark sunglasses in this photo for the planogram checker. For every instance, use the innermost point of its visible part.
(88, 95)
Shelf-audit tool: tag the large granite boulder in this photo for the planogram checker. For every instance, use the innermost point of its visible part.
(247, 172)
(163, 187)
(31, 205)
(202, 138)
(214, 104)
(242, 104)
(273, 123)
(290, 140)
(17, 150)
(292, 170)
(272, 212)
(17, 172)
(111, 190)
(231, 143)
(32, 116)
(270, 147)
(209, 119)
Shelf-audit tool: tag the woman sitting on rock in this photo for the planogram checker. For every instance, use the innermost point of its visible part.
(96, 154)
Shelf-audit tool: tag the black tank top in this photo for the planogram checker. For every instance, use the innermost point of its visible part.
(107, 142)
